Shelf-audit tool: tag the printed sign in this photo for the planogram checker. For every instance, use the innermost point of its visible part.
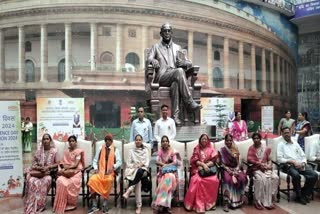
(60, 117)
(267, 118)
(11, 172)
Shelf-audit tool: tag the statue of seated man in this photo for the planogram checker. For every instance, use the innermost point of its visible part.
(171, 70)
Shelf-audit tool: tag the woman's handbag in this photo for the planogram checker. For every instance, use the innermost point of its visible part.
(168, 169)
(212, 171)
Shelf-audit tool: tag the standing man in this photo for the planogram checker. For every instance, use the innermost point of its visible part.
(172, 70)
(164, 126)
(141, 126)
(291, 154)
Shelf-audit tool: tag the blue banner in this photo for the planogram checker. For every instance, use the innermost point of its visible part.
(307, 9)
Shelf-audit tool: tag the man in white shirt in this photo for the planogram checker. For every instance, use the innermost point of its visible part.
(165, 125)
(291, 154)
(141, 126)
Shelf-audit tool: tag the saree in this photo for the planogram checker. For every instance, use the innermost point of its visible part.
(232, 192)
(101, 182)
(167, 183)
(68, 188)
(203, 191)
(265, 181)
(36, 189)
(238, 132)
(300, 126)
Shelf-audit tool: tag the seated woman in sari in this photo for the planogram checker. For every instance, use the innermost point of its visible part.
(167, 176)
(303, 128)
(234, 179)
(69, 180)
(136, 170)
(203, 191)
(38, 179)
(266, 181)
(106, 163)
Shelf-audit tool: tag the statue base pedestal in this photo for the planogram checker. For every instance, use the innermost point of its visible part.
(191, 133)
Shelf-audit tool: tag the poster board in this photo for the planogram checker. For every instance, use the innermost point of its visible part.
(11, 168)
(60, 117)
(215, 112)
(267, 118)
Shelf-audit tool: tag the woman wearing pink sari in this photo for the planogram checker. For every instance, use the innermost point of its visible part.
(38, 179)
(69, 180)
(239, 128)
(203, 191)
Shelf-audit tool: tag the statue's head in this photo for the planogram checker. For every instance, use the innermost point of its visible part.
(166, 32)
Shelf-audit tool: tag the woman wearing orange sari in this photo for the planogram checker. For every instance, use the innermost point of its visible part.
(203, 191)
(105, 163)
(69, 180)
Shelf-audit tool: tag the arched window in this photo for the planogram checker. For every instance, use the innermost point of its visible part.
(28, 46)
(216, 56)
(132, 61)
(30, 76)
(62, 70)
(217, 78)
(106, 58)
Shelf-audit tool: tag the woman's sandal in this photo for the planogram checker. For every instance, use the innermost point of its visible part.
(138, 210)
(258, 206)
(226, 207)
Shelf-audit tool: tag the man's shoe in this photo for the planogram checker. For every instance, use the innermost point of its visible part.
(193, 106)
(306, 198)
(177, 121)
(105, 209)
(92, 209)
(301, 200)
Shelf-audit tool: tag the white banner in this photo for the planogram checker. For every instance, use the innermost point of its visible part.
(267, 118)
(11, 172)
(60, 117)
(215, 112)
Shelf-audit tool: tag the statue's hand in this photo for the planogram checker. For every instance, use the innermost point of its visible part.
(155, 63)
(180, 63)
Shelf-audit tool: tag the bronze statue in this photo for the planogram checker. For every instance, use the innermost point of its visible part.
(172, 70)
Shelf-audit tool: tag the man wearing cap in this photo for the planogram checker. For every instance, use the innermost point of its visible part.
(105, 164)
(172, 71)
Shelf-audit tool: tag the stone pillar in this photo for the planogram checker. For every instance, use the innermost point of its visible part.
(21, 55)
(44, 53)
(271, 73)
(190, 45)
(283, 77)
(209, 60)
(226, 76)
(287, 79)
(118, 47)
(2, 59)
(264, 72)
(278, 75)
(253, 68)
(93, 46)
(241, 65)
(144, 43)
(68, 51)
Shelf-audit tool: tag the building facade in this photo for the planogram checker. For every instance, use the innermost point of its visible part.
(95, 49)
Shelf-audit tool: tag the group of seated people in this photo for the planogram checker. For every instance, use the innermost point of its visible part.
(202, 192)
